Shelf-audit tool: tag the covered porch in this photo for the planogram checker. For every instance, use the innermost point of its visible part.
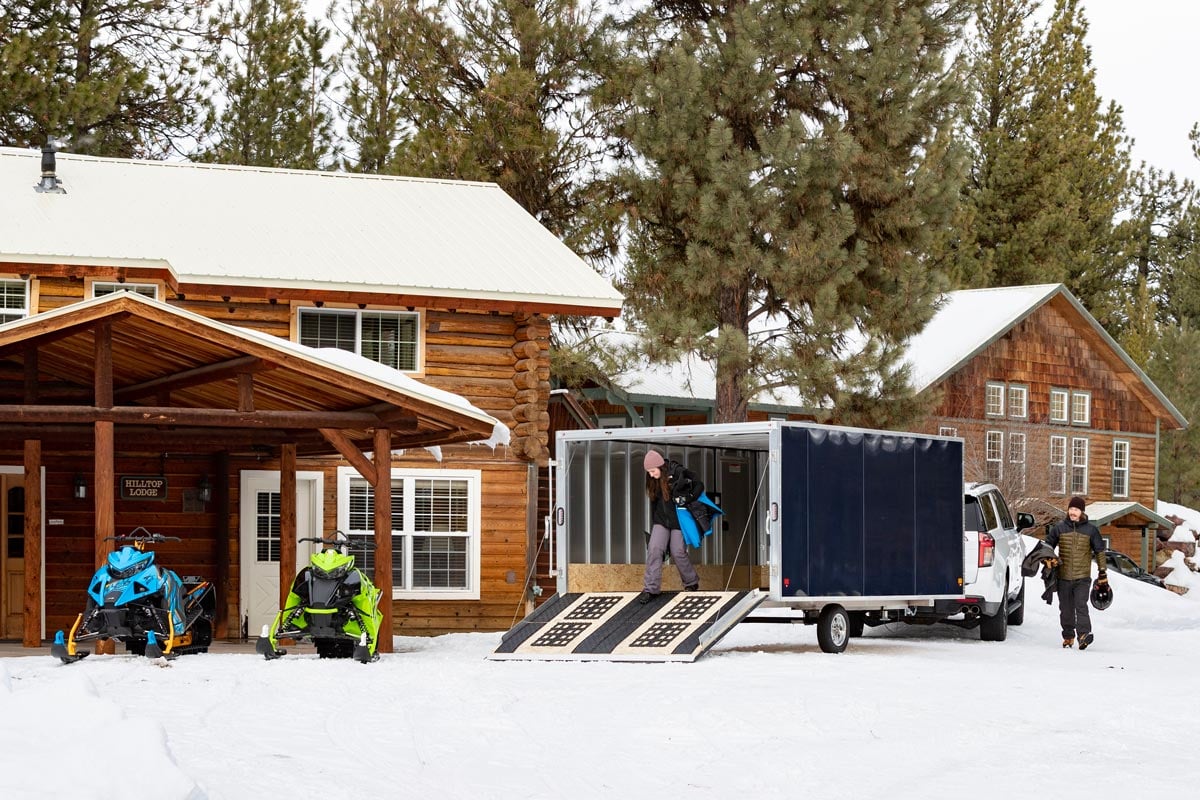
(99, 393)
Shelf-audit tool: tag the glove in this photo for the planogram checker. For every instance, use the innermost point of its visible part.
(681, 501)
(1050, 563)
(1102, 578)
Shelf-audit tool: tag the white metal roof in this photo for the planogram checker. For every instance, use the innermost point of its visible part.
(248, 226)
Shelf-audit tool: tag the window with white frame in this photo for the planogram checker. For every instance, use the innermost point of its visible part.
(389, 337)
(1018, 401)
(994, 453)
(14, 300)
(101, 288)
(993, 405)
(1058, 405)
(1079, 466)
(1016, 461)
(1081, 408)
(1120, 469)
(435, 529)
(1058, 465)
(945, 431)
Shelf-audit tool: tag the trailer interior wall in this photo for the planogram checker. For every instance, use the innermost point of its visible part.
(605, 512)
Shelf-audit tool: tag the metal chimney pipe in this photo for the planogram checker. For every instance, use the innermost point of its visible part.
(49, 184)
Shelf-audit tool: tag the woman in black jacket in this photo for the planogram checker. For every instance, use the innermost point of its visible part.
(669, 485)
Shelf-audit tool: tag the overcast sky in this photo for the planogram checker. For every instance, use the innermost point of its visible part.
(1147, 58)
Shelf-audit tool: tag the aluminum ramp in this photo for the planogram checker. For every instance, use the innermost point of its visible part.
(613, 626)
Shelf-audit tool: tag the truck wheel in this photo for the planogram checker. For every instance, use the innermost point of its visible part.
(995, 629)
(833, 629)
(857, 623)
(1018, 614)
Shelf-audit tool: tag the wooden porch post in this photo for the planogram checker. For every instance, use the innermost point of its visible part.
(383, 533)
(287, 520)
(105, 522)
(31, 635)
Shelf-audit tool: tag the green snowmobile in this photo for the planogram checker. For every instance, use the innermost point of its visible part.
(332, 603)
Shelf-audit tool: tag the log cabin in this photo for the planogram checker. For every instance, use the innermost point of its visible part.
(280, 354)
(1047, 403)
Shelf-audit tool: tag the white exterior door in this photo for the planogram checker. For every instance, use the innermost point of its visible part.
(260, 507)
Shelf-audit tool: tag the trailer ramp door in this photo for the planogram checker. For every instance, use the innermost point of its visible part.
(613, 626)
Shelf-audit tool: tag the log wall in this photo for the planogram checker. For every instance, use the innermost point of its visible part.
(497, 361)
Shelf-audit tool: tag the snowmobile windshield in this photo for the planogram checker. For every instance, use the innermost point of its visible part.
(127, 562)
(332, 564)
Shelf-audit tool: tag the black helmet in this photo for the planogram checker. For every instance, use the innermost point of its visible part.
(1101, 595)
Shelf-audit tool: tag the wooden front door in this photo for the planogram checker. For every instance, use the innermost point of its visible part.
(12, 555)
(260, 507)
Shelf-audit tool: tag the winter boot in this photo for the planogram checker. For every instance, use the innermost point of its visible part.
(645, 597)
(1085, 640)
(692, 587)
(1068, 643)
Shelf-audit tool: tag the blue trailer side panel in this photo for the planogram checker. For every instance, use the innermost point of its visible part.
(939, 524)
(835, 479)
(865, 513)
(889, 505)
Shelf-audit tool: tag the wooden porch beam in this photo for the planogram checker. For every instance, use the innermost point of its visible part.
(197, 417)
(195, 377)
(103, 376)
(349, 451)
(383, 533)
(287, 521)
(31, 632)
(130, 438)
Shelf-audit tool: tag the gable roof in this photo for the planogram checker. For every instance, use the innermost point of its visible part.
(199, 361)
(970, 320)
(224, 226)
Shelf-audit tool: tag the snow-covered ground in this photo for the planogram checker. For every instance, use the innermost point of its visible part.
(903, 713)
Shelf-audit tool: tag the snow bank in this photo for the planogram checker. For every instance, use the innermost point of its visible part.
(1190, 517)
(71, 742)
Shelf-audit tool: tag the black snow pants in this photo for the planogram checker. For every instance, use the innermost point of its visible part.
(1073, 611)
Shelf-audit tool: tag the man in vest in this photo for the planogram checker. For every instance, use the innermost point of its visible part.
(1076, 540)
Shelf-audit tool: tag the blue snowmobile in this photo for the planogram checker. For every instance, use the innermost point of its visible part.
(149, 608)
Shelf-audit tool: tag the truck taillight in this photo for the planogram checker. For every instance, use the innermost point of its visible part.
(987, 549)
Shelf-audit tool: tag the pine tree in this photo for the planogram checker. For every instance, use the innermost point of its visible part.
(376, 41)
(1175, 368)
(1158, 239)
(1050, 161)
(789, 164)
(272, 77)
(103, 77)
(493, 91)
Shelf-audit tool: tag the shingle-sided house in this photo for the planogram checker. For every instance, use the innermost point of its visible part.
(1049, 405)
(253, 340)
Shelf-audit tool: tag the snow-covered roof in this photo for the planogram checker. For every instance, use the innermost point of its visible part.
(1104, 512)
(247, 226)
(966, 322)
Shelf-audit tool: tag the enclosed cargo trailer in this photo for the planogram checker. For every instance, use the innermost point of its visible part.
(823, 523)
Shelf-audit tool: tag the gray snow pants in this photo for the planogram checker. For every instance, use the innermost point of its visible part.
(1073, 612)
(659, 538)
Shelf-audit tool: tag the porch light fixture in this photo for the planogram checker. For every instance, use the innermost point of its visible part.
(80, 487)
(205, 489)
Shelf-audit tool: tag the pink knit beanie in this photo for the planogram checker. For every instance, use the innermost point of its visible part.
(652, 460)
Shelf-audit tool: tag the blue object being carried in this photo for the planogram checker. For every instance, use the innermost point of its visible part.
(696, 519)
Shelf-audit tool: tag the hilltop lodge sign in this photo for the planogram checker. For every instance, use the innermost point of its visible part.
(143, 487)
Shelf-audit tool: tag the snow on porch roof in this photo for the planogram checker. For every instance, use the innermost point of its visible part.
(233, 226)
(1104, 512)
(350, 365)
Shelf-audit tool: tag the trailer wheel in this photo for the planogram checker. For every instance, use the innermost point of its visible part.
(858, 623)
(995, 629)
(833, 629)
